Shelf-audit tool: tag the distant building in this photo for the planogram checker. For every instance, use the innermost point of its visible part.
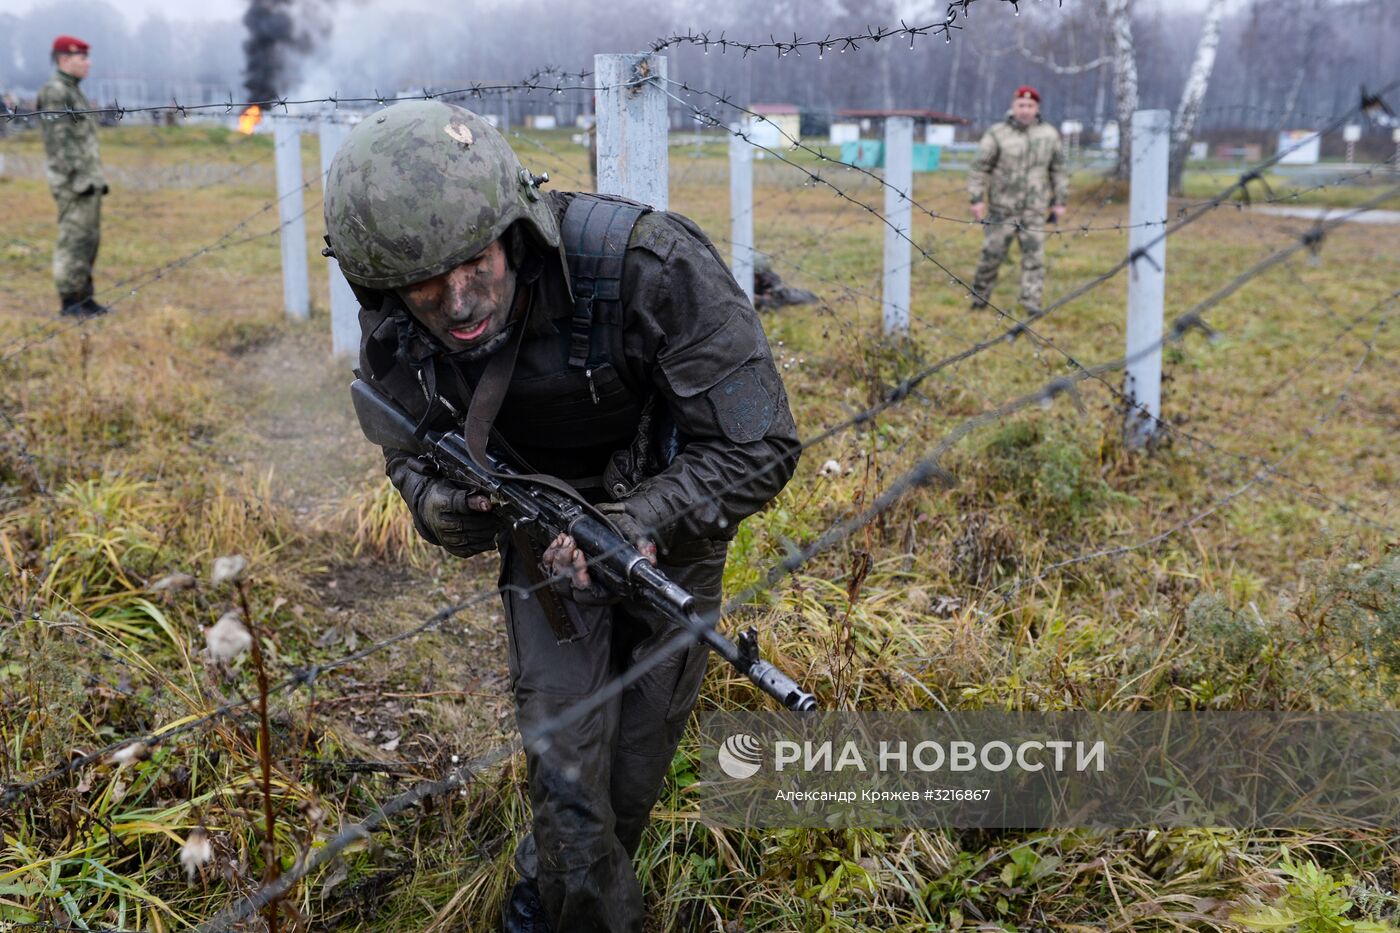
(934, 126)
(781, 124)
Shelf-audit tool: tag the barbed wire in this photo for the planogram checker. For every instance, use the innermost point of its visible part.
(133, 284)
(1020, 327)
(1306, 116)
(536, 82)
(1301, 488)
(1270, 467)
(927, 470)
(1175, 430)
(841, 44)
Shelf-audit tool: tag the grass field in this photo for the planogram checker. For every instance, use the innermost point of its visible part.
(1253, 564)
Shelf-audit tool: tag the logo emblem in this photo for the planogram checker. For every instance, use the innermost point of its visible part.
(740, 756)
(460, 132)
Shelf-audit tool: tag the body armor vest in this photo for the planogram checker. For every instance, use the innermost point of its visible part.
(569, 405)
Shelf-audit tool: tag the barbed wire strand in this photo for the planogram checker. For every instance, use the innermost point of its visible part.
(924, 478)
(1343, 396)
(1023, 326)
(927, 470)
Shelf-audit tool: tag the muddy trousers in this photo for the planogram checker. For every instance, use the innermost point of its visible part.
(1028, 227)
(79, 235)
(592, 788)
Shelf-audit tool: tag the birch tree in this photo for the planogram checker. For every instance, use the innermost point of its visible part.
(1125, 79)
(1194, 92)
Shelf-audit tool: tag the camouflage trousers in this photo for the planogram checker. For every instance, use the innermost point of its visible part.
(1029, 228)
(593, 786)
(79, 235)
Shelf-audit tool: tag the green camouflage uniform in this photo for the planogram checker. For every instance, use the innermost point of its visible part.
(1020, 172)
(75, 178)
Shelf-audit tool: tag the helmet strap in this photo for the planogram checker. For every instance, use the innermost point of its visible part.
(523, 257)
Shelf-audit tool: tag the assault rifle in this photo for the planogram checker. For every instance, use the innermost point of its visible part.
(543, 513)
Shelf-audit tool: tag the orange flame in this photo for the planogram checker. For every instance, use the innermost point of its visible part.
(249, 119)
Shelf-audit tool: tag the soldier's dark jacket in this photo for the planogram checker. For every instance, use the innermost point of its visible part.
(688, 336)
(70, 139)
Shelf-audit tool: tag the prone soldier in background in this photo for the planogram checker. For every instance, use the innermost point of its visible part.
(1017, 185)
(75, 177)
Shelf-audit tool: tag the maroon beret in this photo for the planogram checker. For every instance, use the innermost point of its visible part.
(69, 44)
(1026, 90)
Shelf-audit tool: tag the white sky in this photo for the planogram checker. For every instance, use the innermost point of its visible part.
(137, 10)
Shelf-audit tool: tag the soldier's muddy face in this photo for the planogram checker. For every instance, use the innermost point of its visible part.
(467, 305)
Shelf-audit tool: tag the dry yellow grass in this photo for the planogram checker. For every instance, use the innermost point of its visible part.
(195, 422)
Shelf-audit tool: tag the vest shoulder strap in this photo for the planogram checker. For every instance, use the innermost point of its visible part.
(595, 231)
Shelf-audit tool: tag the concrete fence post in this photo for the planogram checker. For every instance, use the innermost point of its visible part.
(632, 127)
(1147, 278)
(291, 214)
(345, 310)
(741, 209)
(899, 212)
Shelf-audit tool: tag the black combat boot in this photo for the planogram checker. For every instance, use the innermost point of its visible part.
(71, 305)
(92, 309)
(524, 912)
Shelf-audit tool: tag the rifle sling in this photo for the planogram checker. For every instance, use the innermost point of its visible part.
(487, 398)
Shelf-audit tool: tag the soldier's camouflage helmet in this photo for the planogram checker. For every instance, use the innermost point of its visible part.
(422, 186)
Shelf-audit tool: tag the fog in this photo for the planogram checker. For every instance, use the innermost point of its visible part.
(1281, 61)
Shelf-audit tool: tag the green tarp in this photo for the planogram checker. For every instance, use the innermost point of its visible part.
(870, 153)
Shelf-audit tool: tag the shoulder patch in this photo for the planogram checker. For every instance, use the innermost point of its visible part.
(743, 405)
(655, 238)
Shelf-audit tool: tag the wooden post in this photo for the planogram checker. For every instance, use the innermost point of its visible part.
(899, 212)
(345, 309)
(741, 209)
(632, 127)
(1147, 278)
(291, 211)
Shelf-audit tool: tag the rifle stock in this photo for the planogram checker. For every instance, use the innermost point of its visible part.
(544, 513)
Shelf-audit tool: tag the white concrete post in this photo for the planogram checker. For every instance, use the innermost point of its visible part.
(345, 309)
(899, 212)
(1147, 279)
(741, 209)
(1352, 134)
(632, 127)
(291, 210)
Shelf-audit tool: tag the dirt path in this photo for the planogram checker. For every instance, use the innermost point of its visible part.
(442, 692)
(1388, 218)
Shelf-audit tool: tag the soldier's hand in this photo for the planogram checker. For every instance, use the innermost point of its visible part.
(459, 518)
(631, 529)
(1059, 211)
(979, 211)
(564, 558)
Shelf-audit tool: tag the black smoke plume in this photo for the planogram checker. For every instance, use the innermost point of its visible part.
(274, 38)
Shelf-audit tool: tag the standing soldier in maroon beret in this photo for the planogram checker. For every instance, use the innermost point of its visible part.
(1017, 185)
(75, 176)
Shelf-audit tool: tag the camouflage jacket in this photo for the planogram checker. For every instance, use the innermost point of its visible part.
(1019, 168)
(70, 141)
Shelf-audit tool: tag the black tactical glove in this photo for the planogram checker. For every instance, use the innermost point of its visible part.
(460, 529)
(632, 529)
(440, 509)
